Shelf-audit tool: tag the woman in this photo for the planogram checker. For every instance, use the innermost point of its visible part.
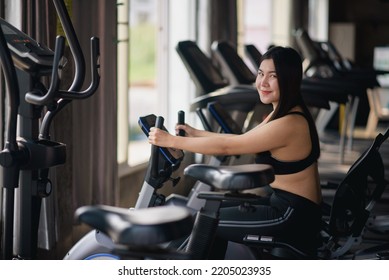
(287, 139)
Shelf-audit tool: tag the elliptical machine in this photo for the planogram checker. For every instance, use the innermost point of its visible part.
(29, 152)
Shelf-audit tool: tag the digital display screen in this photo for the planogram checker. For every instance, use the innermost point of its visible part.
(27, 54)
(13, 37)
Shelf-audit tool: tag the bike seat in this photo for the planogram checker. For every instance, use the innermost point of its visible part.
(232, 178)
(140, 227)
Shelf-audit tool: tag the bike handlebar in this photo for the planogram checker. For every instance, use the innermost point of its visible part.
(12, 93)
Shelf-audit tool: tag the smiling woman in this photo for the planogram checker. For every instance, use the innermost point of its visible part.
(287, 139)
(267, 83)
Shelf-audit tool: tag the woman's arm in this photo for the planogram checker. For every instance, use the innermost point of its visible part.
(193, 132)
(275, 134)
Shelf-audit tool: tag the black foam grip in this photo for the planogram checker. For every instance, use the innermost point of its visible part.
(181, 120)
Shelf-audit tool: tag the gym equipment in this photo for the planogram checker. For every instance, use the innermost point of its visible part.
(163, 162)
(232, 65)
(124, 226)
(181, 120)
(319, 66)
(221, 178)
(28, 156)
(253, 54)
(138, 233)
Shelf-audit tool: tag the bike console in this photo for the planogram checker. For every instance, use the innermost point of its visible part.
(173, 156)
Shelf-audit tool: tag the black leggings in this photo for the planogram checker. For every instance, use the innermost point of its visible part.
(284, 215)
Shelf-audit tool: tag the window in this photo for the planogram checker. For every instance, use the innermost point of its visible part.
(151, 77)
(142, 87)
(137, 76)
(255, 23)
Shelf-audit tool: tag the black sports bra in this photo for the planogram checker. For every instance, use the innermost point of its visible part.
(290, 167)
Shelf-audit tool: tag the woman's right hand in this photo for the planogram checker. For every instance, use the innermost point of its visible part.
(189, 130)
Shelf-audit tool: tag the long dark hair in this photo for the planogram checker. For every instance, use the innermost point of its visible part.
(288, 66)
(289, 70)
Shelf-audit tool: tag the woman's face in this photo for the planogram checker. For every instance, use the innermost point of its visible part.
(267, 83)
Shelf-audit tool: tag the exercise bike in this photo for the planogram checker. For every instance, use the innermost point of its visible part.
(120, 227)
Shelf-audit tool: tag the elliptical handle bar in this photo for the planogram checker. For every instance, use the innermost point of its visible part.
(79, 62)
(9, 166)
(95, 54)
(155, 150)
(74, 45)
(12, 91)
(35, 97)
(54, 92)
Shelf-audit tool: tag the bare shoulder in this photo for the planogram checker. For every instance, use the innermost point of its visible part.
(292, 127)
(291, 121)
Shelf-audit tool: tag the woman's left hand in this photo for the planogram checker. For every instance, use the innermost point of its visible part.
(159, 137)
